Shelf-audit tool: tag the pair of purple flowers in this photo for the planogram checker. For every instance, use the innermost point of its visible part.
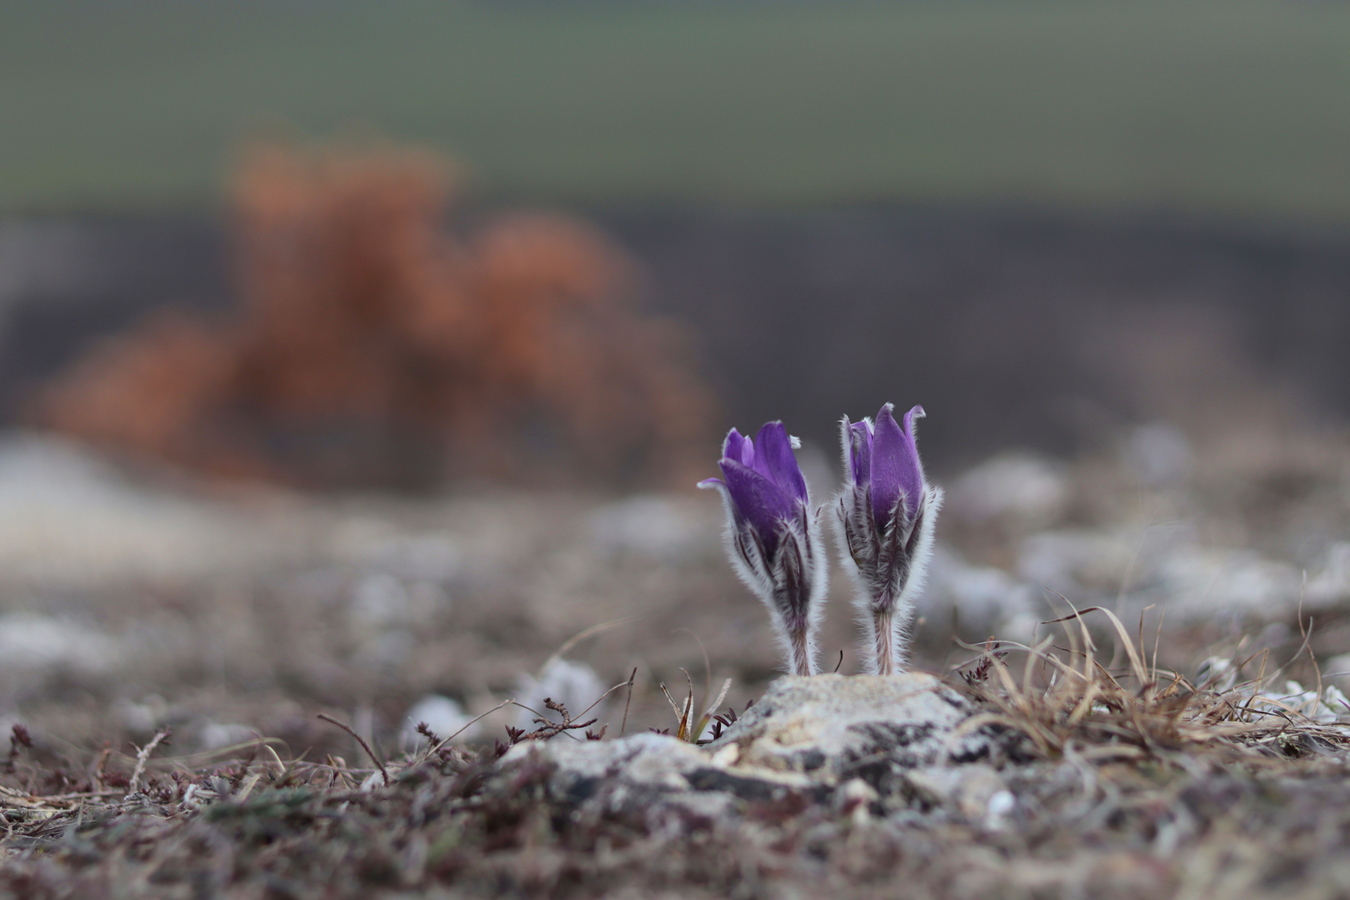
(884, 519)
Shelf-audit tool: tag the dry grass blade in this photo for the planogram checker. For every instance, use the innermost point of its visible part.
(384, 773)
(466, 726)
(711, 710)
(1079, 707)
(628, 702)
(143, 758)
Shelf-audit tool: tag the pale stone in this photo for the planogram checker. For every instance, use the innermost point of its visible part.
(649, 758)
(849, 742)
(968, 790)
(829, 725)
(573, 684)
(443, 715)
(1014, 488)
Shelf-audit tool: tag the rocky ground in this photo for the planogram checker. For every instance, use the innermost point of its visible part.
(167, 648)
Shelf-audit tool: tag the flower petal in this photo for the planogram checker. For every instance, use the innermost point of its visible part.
(733, 446)
(860, 451)
(913, 485)
(896, 471)
(776, 461)
(759, 502)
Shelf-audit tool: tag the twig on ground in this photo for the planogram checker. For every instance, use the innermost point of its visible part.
(360, 740)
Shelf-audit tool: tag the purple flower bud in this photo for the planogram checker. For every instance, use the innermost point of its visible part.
(886, 516)
(773, 539)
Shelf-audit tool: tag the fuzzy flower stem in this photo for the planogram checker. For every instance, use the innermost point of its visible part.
(886, 655)
(802, 660)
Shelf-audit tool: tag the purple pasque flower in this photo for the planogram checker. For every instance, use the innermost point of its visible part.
(773, 537)
(886, 516)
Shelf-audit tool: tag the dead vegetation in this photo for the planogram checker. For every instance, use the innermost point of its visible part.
(374, 346)
(1067, 702)
(1130, 782)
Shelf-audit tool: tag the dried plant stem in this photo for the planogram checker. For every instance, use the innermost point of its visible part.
(628, 702)
(360, 740)
(143, 757)
(445, 740)
(101, 764)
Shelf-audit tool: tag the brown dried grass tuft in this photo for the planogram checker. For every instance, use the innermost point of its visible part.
(1066, 703)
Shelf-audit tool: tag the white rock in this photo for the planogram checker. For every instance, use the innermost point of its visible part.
(967, 790)
(573, 684)
(443, 715)
(1015, 487)
(215, 735)
(998, 813)
(652, 759)
(1329, 706)
(30, 641)
(856, 797)
(1329, 583)
(825, 724)
(1216, 673)
(1336, 671)
(379, 600)
(434, 556)
(845, 742)
(661, 528)
(68, 517)
(651, 772)
(144, 717)
(1196, 583)
(984, 599)
(1073, 562)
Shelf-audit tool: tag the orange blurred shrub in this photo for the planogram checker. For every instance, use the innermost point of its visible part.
(374, 347)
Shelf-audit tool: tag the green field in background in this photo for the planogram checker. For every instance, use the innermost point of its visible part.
(1220, 106)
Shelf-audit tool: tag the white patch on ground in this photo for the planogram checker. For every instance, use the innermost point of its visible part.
(69, 518)
(1330, 707)
(971, 789)
(443, 715)
(212, 735)
(1018, 488)
(433, 556)
(851, 742)
(380, 601)
(820, 723)
(657, 759)
(1337, 671)
(983, 598)
(1076, 562)
(573, 684)
(660, 528)
(29, 641)
(1329, 583)
(1197, 582)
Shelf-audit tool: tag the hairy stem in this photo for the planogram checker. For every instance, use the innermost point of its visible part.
(883, 634)
(801, 661)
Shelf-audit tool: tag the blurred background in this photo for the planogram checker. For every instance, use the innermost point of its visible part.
(354, 357)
